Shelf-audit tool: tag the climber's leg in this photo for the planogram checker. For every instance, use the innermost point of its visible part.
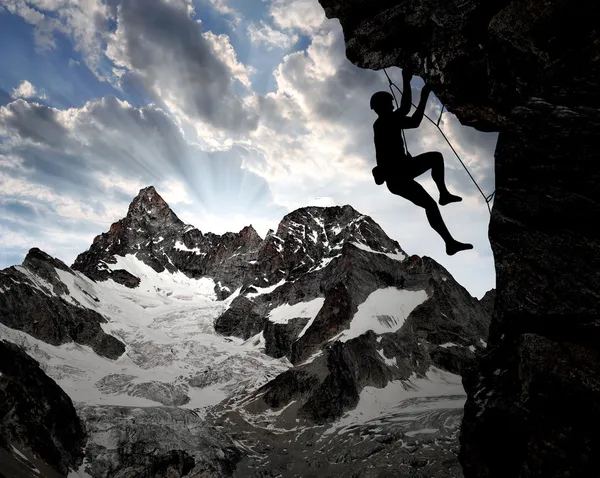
(434, 161)
(415, 193)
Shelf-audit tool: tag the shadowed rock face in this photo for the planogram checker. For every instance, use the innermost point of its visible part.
(36, 414)
(530, 70)
(444, 331)
(128, 442)
(38, 308)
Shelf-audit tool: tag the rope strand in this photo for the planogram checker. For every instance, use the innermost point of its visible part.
(487, 198)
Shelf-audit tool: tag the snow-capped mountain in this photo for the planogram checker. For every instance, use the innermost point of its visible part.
(195, 348)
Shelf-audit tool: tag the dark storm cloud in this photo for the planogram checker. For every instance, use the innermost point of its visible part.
(18, 209)
(167, 48)
(34, 122)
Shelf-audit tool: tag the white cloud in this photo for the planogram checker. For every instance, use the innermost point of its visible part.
(190, 70)
(223, 50)
(304, 15)
(26, 90)
(271, 38)
(222, 7)
(82, 21)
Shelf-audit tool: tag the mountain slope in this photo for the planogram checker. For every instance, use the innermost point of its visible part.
(291, 332)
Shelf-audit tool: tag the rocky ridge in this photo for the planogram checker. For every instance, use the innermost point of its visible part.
(329, 260)
(39, 427)
(33, 299)
(328, 293)
(530, 71)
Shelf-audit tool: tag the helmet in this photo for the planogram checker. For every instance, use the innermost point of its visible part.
(381, 98)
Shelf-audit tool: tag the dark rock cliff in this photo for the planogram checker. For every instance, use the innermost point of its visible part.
(37, 417)
(528, 69)
(33, 300)
(444, 331)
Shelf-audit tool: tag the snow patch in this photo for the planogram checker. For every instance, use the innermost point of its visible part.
(265, 290)
(324, 263)
(448, 345)
(173, 285)
(412, 433)
(393, 362)
(284, 313)
(180, 246)
(439, 389)
(385, 310)
(397, 256)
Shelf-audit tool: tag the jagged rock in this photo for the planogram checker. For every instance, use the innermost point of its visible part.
(36, 307)
(444, 331)
(529, 70)
(36, 414)
(153, 442)
(123, 277)
(488, 301)
(44, 266)
(298, 292)
(524, 403)
(280, 337)
(155, 235)
(243, 318)
(165, 393)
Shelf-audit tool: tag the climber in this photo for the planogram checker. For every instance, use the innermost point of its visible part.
(399, 170)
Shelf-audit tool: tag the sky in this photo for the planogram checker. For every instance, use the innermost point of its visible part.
(236, 111)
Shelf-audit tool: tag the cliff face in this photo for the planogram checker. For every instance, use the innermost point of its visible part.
(36, 418)
(530, 70)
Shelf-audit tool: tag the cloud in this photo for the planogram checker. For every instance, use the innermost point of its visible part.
(192, 71)
(84, 21)
(222, 154)
(304, 15)
(32, 121)
(269, 37)
(78, 169)
(26, 90)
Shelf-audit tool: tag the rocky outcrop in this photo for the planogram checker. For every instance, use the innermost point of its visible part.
(36, 417)
(154, 234)
(128, 442)
(243, 318)
(488, 301)
(445, 331)
(528, 70)
(32, 299)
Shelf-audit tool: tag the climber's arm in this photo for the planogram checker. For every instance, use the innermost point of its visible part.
(414, 121)
(406, 101)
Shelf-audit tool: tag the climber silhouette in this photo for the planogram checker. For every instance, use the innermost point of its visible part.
(399, 170)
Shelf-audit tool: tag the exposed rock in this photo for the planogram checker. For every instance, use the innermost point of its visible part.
(166, 393)
(280, 337)
(126, 278)
(532, 411)
(36, 415)
(155, 442)
(445, 330)
(31, 300)
(243, 319)
(529, 70)
(488, 301)
(155, 235)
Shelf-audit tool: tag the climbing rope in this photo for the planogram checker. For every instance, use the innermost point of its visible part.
(487, 198)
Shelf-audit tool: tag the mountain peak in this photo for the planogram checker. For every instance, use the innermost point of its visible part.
(148, 201)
